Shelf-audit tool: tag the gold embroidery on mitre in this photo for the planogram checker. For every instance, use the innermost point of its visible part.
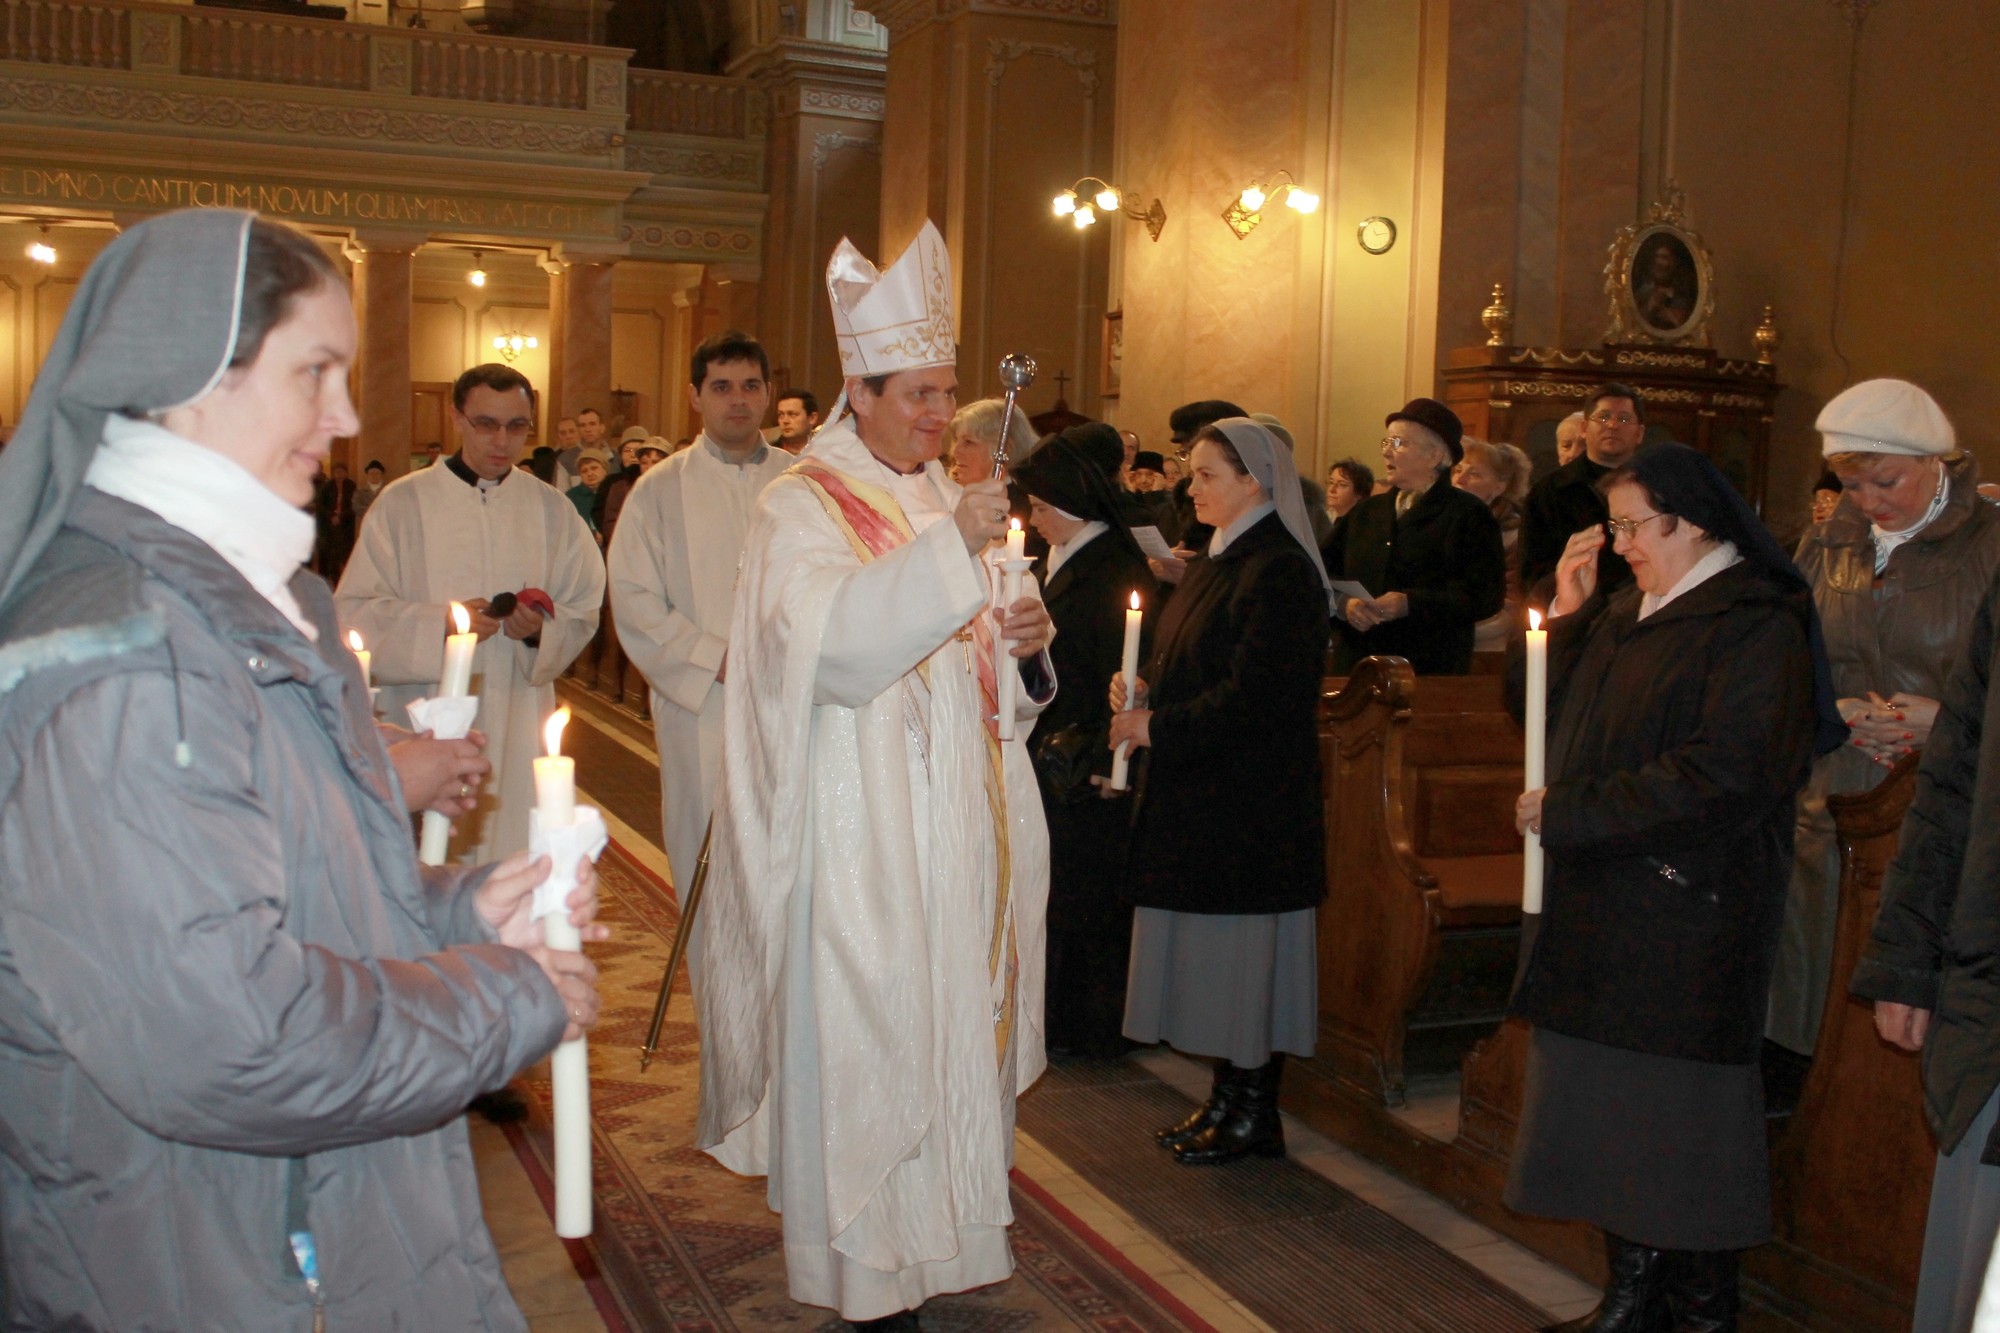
(898, 318)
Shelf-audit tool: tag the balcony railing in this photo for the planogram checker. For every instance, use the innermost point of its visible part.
(662, 102)
(53, 32)
(256, 47)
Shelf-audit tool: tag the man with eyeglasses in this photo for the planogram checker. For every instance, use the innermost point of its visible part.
(1567, 501)
(468, 532)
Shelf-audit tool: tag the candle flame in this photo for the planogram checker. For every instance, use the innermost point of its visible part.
(1135, 599)
(461, 618)
(1534, 619)
(354, 641)
(1013, 525)
(552, 730)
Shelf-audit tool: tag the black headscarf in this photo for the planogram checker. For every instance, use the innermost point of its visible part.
(1682, 482)
(1065, 470)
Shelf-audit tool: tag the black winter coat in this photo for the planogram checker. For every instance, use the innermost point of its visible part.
(1446, 554)
(1227, 817)
(1563, 504)
(1936, 942)
(1087, 599)
(1677, 746)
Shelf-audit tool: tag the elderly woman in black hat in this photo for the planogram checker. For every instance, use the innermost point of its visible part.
(1228, 856)
(241, 1022)
(1093, 570)
(1430, 557)
(1684, 711)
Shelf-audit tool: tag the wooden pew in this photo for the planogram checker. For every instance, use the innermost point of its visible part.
(1851, 1169)
(1419, 933)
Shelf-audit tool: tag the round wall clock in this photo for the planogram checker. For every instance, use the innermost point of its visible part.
(1376, 235)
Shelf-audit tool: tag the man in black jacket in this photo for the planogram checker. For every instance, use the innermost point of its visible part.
(1566, 501)
(1933, 952)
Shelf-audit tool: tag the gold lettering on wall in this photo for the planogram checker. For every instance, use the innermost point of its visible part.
(305, 202)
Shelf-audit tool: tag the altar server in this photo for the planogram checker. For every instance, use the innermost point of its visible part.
(467, 532)
(673, 577)
(871, 944)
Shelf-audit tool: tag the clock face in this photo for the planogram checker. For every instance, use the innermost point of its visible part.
(1377, 234)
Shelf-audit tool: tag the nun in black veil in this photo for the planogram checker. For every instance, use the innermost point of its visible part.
(1093, 569)
(1684, 712)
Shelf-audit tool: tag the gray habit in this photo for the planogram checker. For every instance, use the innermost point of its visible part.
(1233, 987)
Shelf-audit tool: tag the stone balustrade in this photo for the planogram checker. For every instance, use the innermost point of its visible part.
(665, 102)
(249, 46)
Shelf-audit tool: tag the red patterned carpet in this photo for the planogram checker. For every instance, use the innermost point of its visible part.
(682, 1244)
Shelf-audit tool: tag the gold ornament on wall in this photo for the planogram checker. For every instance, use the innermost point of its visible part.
(1659, 279)
(1767, 337)
(1498, 319)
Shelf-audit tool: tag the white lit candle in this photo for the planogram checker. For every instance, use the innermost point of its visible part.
(458, 650)
(457, 683)
(1534, 757)
(1121, 762)
(361, 655)
(1006, 672)
(569, 1066)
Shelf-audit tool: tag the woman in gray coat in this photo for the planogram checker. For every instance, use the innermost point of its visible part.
(237, 1025)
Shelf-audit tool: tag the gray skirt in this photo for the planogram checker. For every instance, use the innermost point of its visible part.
(1669, 1153)
(1236, 988)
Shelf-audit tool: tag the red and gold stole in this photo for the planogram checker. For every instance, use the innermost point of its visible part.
(874, 525)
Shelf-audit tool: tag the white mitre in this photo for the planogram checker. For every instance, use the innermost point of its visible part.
(898, 319)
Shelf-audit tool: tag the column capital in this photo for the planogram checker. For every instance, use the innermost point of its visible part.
(824, 78)
(564, 253)
(903, 17)
(364, 241)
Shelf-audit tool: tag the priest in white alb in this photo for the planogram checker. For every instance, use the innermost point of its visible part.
(467, 532)
(871, 943)
(673, 566)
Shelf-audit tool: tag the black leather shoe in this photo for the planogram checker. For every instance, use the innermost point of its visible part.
(1209, 1113)
(1634, 1300)
(1249, 1125)
(1701, 1291)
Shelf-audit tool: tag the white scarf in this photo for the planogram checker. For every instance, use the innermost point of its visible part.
(212, 499)
(1724, 556)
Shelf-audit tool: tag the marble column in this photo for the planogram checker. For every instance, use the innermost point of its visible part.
(824, 176)
(579, 333)
(990, 112)
(382, 313)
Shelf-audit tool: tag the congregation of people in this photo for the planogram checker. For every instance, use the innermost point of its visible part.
(240, 1004)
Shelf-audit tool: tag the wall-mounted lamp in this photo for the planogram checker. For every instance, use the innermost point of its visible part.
(511, 345)
(478, 275)
(41, 251)
(1105, 198)
(1246, 210)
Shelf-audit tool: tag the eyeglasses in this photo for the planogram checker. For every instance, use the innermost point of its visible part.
(1628, 528)
(488, 426)
(1619, 419)
(1392, 445)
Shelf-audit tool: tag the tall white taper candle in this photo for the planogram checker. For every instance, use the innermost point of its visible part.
(457, 683)
(1122, 760)
(1534, 757)
(1006, 672)
(569, 1066)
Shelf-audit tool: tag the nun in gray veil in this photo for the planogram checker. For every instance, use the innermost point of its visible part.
(1227, 858)
(237, 1026)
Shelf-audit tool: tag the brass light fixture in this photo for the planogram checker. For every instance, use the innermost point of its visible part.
(41, 251)
(511, 345)
(477, 277)
(1106, 198)
(1246, 210)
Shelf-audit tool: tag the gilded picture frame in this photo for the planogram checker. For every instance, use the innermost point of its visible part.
(1111, 367)
(1660, 280)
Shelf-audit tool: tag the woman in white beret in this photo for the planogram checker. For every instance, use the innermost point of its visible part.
(1898, 572)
